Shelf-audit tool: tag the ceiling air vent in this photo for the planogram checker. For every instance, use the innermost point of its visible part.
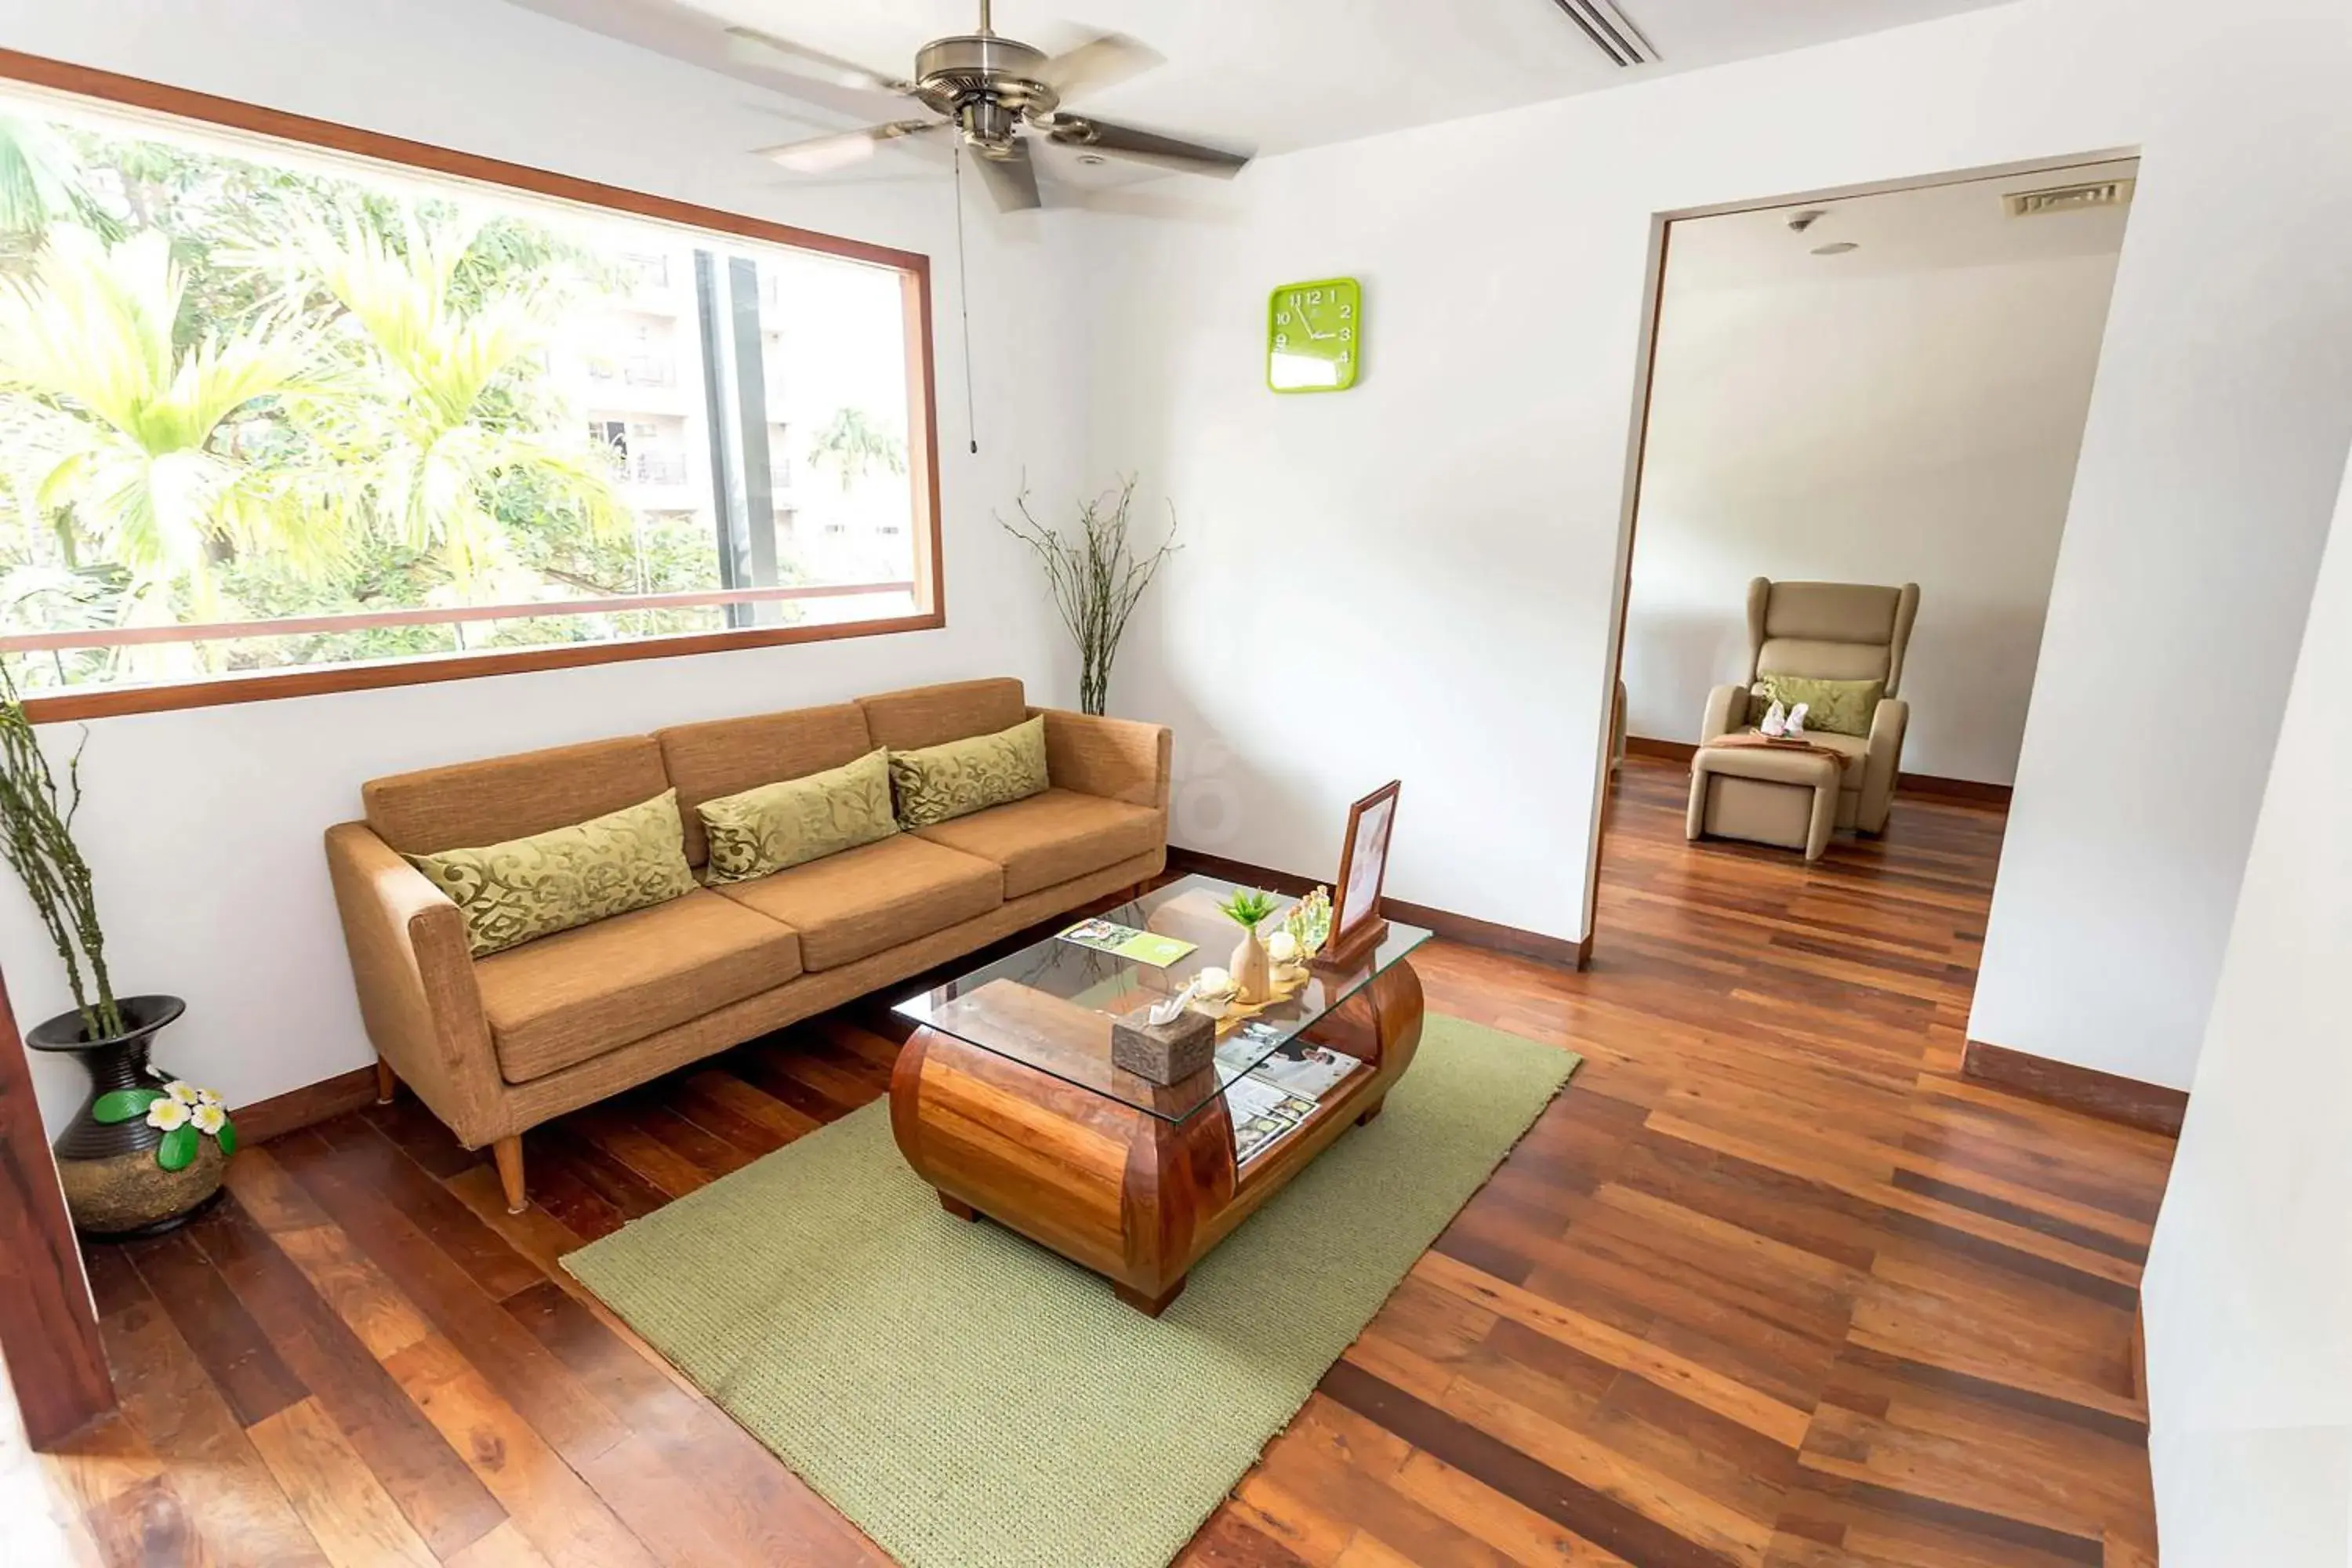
(2070, 198)
(1609, 32)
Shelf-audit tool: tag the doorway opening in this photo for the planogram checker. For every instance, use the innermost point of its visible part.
(1859, 437)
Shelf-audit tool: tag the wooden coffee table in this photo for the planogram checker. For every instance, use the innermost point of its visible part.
(1005, 1098)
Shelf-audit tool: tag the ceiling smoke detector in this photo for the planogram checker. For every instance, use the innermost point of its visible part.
(1611, 33)
(2070, 198)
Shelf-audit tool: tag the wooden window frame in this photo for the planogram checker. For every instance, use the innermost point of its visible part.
(914, 270)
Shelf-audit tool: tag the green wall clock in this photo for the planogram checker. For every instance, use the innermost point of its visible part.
(1315, 335)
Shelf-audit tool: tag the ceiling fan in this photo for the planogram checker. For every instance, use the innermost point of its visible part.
(998, 95)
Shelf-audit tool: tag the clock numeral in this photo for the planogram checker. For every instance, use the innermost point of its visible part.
(1344, 356)
(1297, 299)
(1282, 340)
(1347, 334)
(1345, 312)
(1315, 296)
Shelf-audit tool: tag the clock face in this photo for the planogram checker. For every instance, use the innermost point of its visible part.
(1314, 336)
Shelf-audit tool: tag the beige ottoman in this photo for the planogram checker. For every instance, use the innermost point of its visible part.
(1764, 794)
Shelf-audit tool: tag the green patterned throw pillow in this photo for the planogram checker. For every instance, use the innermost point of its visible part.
(1841, 707)
(766, 829)
(628, 860)
(941, 783)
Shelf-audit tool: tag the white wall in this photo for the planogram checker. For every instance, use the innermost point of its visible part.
(1913, 426)
(1418, 577)
(2249, 1282)
(204, 826)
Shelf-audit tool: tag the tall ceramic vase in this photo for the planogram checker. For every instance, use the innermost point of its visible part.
(1253, 975)
(113, 1184)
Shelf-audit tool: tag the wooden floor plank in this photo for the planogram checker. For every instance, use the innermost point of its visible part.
(1772, 1285)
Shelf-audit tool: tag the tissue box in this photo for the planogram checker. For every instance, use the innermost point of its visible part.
(1163, 1053)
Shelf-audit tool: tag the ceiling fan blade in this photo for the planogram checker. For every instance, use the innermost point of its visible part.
(1146, 146)
(755, 48)
(1096, 64)
(1011, 179)
(821, 155)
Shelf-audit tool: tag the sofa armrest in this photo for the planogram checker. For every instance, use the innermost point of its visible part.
(415, 981)
(1882, 763)
(1117, 759)
(1727, 711)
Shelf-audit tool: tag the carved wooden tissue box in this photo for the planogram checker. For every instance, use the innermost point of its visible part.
(1163, 1053)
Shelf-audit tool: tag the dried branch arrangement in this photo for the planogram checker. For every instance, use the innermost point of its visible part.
(37, 840)
(1095, 578)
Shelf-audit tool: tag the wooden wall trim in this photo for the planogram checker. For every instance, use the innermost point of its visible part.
(1933, 784)
(2105, 1095)
(49, 1324)
(923, 447)
(299, 1107)
(1552, 950)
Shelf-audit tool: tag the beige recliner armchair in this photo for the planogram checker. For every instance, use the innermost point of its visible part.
(1830, 631)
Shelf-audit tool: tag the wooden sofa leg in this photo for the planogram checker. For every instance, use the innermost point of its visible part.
(386, 1085)
(508, 1153)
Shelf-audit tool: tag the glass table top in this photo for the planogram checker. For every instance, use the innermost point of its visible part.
(1050, 1006)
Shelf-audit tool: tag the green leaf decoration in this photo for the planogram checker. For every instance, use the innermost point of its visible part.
(178, 1147)
(227, 1136)
(122, 1104)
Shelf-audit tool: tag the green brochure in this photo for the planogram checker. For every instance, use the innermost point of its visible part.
(1125, 941)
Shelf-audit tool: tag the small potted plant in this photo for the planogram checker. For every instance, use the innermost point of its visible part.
(146, 1149)
(1253, 974)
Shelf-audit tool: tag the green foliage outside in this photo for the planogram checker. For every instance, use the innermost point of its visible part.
(230, 391)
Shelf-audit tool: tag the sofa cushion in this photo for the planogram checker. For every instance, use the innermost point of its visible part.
(728, 756)
(1052, 838)
(793, 821)
(562, 999)
(929, 715)
(509, 893)
(852, 905)
(513, 797)
(957, 778)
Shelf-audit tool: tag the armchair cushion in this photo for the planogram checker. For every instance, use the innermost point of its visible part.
(1052, 838)
(565, 998)
(1841, 707)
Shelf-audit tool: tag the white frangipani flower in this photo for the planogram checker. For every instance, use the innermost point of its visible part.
(167, 1114)
(181, 1090)
(209, 1118)
(208, 1096)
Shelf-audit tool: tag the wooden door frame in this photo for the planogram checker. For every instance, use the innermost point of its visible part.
(48, 1324)
(1654, 305)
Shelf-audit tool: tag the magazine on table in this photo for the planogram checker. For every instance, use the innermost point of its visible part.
(1263, 1115)
(1125, 941)
(1296, 1066)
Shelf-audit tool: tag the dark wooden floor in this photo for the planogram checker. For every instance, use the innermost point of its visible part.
(1769, 1285)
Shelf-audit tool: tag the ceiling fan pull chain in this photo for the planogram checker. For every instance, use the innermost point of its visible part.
(963, 309)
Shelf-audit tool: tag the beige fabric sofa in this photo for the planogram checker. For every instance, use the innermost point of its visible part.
(1831, 631)
(499, 1044)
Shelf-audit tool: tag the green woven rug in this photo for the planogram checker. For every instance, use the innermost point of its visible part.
(972, 1401)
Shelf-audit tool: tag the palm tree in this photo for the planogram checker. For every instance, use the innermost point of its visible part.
(441, 427)
(40, 184)
(134, 430)
(855, 446)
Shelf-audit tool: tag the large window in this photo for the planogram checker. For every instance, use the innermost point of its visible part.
(276, 418)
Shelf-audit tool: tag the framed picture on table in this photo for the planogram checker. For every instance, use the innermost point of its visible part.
(1356, 923)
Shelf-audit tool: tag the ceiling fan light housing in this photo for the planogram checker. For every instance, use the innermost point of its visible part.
(949, 71)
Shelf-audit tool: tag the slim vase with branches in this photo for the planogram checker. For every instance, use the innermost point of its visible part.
(37, 838)
(1095, 578)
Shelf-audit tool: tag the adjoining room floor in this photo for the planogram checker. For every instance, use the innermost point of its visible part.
(1769, 1285)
